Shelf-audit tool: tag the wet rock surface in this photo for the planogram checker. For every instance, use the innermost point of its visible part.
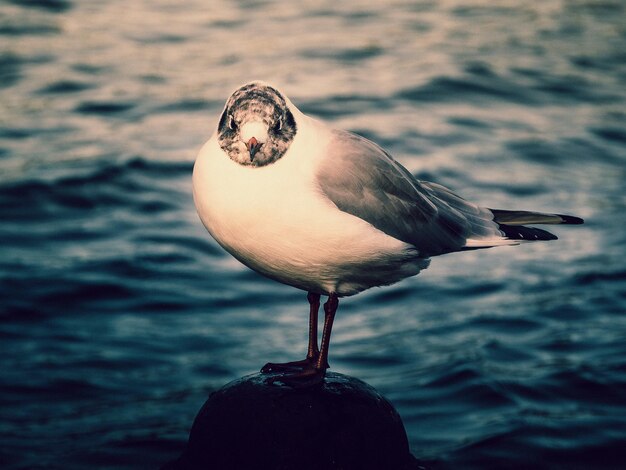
(341, 424)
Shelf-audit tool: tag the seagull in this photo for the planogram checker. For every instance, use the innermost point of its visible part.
(330, 212)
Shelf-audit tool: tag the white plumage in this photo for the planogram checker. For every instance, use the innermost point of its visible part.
(276, 220)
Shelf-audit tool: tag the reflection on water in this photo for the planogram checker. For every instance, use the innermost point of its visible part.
(120, 315)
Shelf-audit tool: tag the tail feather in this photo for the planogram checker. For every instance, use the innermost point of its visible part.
(511, 224)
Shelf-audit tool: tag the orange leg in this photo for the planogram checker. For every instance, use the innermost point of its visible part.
(310, 371)
(312, 351)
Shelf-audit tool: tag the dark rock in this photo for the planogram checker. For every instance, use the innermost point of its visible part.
(342, 424)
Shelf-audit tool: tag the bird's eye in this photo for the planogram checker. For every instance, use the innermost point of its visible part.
(278, 125)
(232, 125)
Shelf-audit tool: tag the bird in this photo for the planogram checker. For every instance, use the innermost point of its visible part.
(330, 212)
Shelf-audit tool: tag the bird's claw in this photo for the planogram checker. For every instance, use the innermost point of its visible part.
(308, 363)
(287, 366)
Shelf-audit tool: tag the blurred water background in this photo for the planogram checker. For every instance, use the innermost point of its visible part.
(119, 315)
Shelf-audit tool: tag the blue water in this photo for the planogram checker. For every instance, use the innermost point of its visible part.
(119, 315)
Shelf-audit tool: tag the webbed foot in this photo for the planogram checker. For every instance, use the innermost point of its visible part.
(307, 377)
(288, 366)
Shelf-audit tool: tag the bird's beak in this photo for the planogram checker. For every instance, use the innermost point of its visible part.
(253, 147)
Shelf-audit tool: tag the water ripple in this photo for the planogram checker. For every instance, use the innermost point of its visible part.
(120, 314)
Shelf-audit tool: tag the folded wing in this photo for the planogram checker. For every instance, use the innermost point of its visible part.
(362, 179)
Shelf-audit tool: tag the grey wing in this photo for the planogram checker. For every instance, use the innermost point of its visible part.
(362, 179)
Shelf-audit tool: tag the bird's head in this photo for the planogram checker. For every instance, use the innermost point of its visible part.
(256, 127)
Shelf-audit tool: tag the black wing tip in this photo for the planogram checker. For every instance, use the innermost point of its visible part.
(571, 220)
(513, 217)
(520, 232)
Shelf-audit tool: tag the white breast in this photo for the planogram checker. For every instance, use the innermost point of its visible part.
(275, 220)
